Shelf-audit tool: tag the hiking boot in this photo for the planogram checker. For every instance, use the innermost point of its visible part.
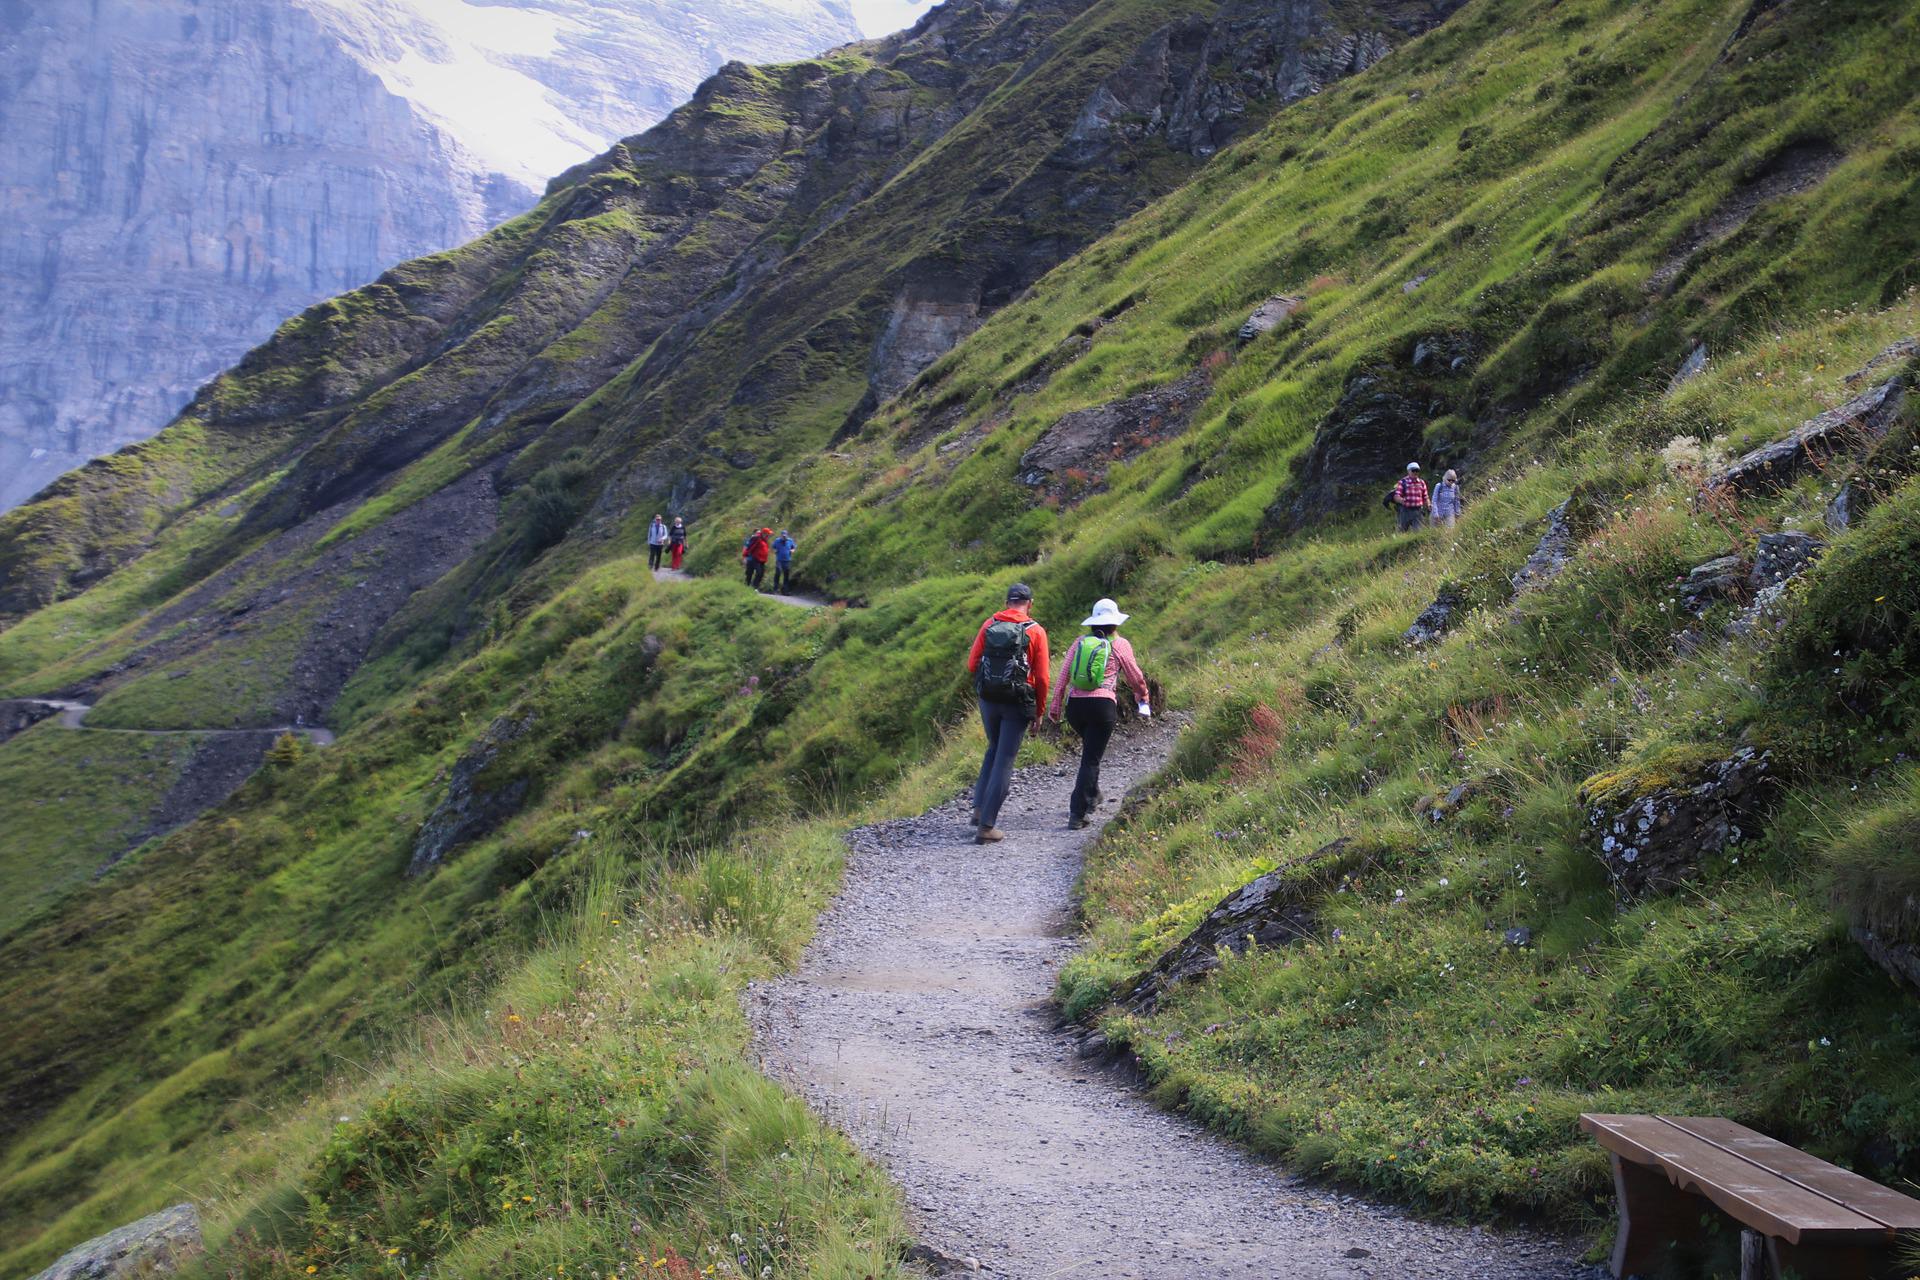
(1076, 824)
(990, 835)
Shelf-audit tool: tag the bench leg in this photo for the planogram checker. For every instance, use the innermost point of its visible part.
(1754, 1262)
(1653, 1215)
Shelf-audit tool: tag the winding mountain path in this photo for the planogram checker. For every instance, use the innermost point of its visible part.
(73, 715)
(797, 602)
(918, 1022)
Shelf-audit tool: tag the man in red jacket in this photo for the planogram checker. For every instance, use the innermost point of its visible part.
(1009, 667)
(754, 555)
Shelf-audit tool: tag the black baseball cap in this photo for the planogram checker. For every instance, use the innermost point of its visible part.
(1019, 591)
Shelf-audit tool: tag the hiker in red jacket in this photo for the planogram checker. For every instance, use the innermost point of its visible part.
(754, 555)
(1409, 499)
(1009, 667)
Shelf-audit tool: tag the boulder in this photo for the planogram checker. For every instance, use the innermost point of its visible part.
(1550, 554)
(1270, 911)
(476, 802)
(1717, 579)
(1268, 316)
(1856, 424)
(1780, 556)
(1655, 841)
(1844, 509)
(157, 1245)
(1436, 619)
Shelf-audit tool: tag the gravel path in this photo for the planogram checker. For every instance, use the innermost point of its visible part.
(73, 715)
(917, 1021)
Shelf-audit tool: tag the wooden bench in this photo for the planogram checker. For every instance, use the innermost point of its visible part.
(1800, 1215)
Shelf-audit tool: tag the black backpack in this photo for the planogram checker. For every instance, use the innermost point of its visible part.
(1002, 675)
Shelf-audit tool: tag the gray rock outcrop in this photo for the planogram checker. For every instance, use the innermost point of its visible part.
(476, 802)
(17, 715)
(1268, 316)
(1656, 841)
(1550, 555)
(1717, 579)
(1852, 427)
(1270, 911)
(157, 1245)
(183, 175)
(1436, 619)
(1780, 556)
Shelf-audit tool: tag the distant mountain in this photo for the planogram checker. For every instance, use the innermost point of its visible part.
(182, 175)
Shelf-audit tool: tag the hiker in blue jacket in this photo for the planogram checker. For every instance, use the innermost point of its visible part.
(783, 548)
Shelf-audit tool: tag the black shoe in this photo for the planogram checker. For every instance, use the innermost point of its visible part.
(1076, 824)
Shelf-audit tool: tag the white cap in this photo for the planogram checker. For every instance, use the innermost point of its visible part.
(1413, 466)
(1105, 614)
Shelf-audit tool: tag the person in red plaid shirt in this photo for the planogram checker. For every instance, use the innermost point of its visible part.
(1409, 498)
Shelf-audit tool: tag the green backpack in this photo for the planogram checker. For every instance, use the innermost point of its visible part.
(1089, 670)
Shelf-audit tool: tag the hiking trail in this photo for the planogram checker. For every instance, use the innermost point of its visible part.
(798, 602)
(73, 715)
(918, 1022)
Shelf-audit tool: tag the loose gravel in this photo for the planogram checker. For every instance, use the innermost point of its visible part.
(918, 1022)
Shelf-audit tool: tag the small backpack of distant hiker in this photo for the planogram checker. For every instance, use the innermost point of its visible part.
(1002, 675)
(1089, 669)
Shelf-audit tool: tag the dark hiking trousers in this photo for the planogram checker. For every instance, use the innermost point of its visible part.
(1094, 720)
(653, 554)
(756, 569)
(782, 575)
(1412, 518)
(1006, 724)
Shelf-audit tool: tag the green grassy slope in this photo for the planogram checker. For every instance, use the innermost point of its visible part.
(70, 802)
(1560, 180)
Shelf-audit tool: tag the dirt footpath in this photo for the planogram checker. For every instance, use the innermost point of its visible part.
(917, 1022)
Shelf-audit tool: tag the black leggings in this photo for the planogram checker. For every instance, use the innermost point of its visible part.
(756, 570)
(653, 554)
(1094, 720)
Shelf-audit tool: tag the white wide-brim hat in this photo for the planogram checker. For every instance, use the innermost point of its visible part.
(1105, 614)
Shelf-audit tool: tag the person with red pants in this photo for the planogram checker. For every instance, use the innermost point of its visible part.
(677, 542)
(1089, 683)
(754, 555)
(1008, 663)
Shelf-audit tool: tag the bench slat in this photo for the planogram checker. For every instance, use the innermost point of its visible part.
(1748, 1191)
(1863, 1195)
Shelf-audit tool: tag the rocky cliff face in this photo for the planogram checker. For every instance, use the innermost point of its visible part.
(181, 175)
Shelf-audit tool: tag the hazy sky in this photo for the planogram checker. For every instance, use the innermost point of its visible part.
(883, 17)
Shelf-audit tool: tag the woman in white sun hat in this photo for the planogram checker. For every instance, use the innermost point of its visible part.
(1089, 685)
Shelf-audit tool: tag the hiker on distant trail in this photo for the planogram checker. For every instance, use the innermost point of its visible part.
(783, 548)
(656, 542)
(1089, 683)
(677, 540)
(1408, 498)
(1009, 668)
(1446, 500)
(754, 556)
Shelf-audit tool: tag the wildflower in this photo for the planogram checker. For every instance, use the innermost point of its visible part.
(312, 1270)
(391, 1252)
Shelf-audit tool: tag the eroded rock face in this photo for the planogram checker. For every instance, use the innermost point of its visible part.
(157, 1245)
(1073, 455)
(1550, 555)
(1657, 841)
(1780, 556)
(475, 803)
(1852, 427)
(1271, 911)
(1900, 959)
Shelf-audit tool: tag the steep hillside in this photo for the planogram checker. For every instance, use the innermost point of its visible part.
(1589, 253)
(186, 175)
